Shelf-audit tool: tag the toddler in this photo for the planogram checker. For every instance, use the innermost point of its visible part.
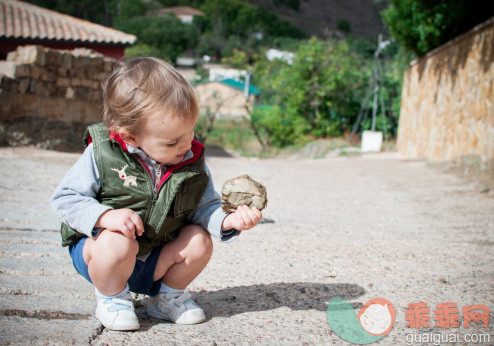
(139, 206)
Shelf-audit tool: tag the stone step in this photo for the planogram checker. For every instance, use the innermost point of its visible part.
(28, 225)
(12, 202)
(29, 331)
(28, 236)
(32, 250)
(34, 302)
(30, 191)
(35, 208)
(71, 284)
(35, 265)
(29, 216)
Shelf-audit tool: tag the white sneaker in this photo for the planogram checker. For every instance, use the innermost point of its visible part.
(117, 313)
(178, 308)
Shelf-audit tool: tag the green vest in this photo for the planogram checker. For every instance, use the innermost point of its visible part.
(127, 183)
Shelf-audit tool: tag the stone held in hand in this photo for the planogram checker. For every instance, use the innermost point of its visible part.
(243, 190)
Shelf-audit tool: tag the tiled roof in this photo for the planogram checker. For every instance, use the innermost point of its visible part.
(180, 11)
(20, 20)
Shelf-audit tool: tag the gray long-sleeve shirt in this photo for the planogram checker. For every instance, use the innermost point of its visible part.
(74, 200)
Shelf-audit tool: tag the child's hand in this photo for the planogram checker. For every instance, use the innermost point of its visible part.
(125, 221)
(243, 218)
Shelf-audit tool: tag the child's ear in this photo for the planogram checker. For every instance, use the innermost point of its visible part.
(128, 138)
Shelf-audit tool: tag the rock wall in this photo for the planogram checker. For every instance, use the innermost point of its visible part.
(447, 106)
(53, 84)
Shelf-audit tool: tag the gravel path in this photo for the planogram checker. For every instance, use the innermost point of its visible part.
(354, 227)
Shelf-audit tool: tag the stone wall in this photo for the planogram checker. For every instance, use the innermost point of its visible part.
(53, 84)
(447, 106)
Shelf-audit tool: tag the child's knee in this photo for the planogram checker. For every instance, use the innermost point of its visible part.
(200, 242)
(117, 246)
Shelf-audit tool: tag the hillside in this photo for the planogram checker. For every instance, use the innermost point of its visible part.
(315, 17)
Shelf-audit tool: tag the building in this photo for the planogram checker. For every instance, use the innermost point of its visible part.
(24, 24)
(226, 98)
(218, 72)
(184, 13)
(272, 54)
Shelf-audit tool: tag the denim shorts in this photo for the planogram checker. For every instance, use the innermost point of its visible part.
(141, 280)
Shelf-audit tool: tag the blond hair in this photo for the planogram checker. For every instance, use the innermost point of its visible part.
(142, 86)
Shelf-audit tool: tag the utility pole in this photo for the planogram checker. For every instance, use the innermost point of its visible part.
(377, 81)
(247, 85)
(374, 86)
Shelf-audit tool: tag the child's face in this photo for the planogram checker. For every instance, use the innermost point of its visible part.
(165, 139)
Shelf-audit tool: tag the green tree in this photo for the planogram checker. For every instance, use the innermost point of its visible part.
(318, 95)
(422, 25)
(104, 12)
(190, 3)
(293, 4)
(127, 9)
(93, 11)
(242, 19)
(167, 34)
(213, 41)
(344, 25)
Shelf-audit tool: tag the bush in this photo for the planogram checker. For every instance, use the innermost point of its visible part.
(318, 95)
(276, 126)
(231, 134)
(142, 49)
(238, 59)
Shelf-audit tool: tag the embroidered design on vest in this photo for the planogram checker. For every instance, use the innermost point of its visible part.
(128, 179)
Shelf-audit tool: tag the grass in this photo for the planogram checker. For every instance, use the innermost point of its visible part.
(348, 153)
(238, 136)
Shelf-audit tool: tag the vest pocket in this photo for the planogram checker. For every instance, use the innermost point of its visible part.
(169, 231)
(189, 195)
(181, 205)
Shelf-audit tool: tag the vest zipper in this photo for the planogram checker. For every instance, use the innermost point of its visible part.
(153, 204)
(156, 189)
(158, 177)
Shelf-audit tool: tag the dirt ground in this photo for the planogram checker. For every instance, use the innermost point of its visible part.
(356, 227)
